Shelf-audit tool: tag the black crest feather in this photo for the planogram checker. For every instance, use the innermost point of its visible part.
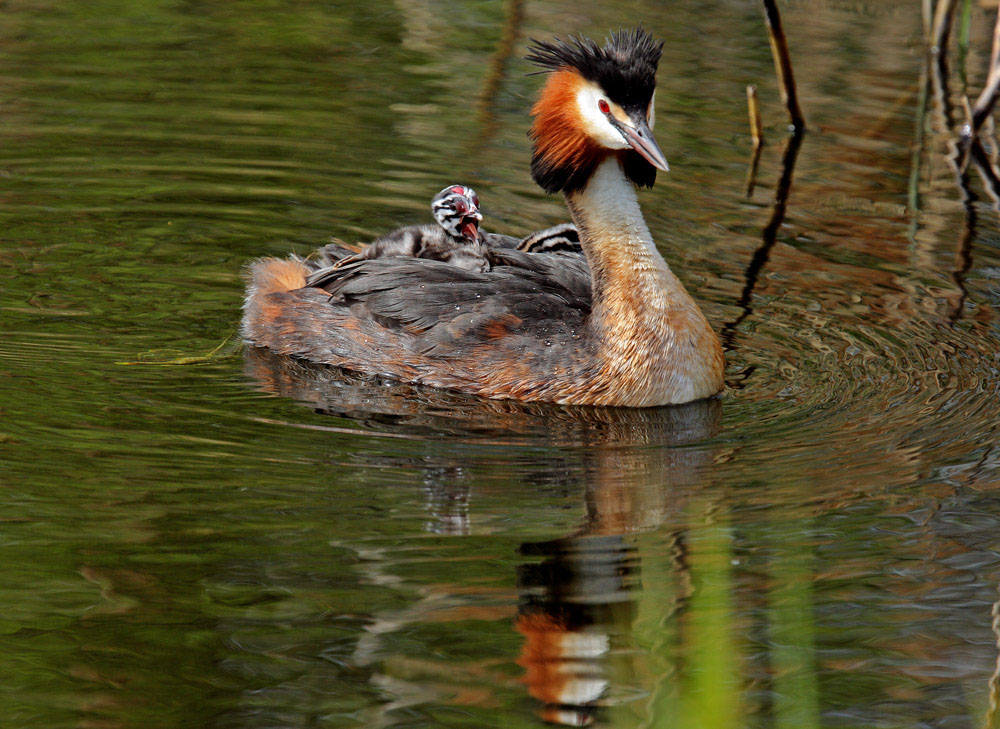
(624, 67)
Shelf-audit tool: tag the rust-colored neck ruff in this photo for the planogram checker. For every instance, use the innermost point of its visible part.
(649, 331)
(556, 128)
(564, 155)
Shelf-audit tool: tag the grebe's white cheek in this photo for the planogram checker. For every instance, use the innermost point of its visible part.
(595, 123)
(651, 116)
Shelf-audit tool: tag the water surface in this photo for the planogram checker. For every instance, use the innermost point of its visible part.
(197, 536)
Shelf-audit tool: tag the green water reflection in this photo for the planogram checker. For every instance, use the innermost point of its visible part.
(240, 540)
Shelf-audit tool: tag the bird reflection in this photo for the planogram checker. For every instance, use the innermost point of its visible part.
(404, 411)
(577, 592)
(570, 603)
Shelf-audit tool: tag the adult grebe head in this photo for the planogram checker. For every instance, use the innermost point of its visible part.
(598, 101)
(456, 208)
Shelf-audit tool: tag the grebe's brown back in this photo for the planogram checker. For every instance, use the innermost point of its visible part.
(620, 330)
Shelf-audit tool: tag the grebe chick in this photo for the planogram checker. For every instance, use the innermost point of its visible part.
(559, 238)
(617, 329)
(455, 239)
(562, 238)
(456, 209)
(458, 240)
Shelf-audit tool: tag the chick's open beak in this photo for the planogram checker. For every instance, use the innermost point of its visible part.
(469, 227)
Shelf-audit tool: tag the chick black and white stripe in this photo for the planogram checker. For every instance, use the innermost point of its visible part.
(562, 238)
(456, 239)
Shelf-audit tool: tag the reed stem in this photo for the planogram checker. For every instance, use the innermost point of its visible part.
(783, 65)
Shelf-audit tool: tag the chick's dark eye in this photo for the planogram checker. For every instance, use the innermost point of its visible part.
(460, 207)
(475, 200)
(603, 106)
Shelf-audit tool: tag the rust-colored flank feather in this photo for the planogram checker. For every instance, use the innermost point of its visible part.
(614, 327)
(273, 275)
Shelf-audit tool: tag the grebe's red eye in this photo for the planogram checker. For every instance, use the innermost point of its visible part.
(603, 106)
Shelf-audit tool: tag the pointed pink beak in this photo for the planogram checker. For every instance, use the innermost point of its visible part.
(641, 139)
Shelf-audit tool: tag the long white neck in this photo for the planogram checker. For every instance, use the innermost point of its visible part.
(652, 341)
(632, 284)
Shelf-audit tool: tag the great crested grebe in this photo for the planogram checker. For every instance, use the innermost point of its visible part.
(617, 329)
(457, 239)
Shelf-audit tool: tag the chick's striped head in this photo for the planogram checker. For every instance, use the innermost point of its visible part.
(456, 208)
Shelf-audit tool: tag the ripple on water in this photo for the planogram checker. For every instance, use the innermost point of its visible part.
(192, 533)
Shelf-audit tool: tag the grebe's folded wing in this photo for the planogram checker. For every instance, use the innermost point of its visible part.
(568, 271)
(446, 308)
(329, 255)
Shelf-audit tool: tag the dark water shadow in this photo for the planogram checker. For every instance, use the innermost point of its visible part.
(404, 411)
(486, 104)
(964, 149)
